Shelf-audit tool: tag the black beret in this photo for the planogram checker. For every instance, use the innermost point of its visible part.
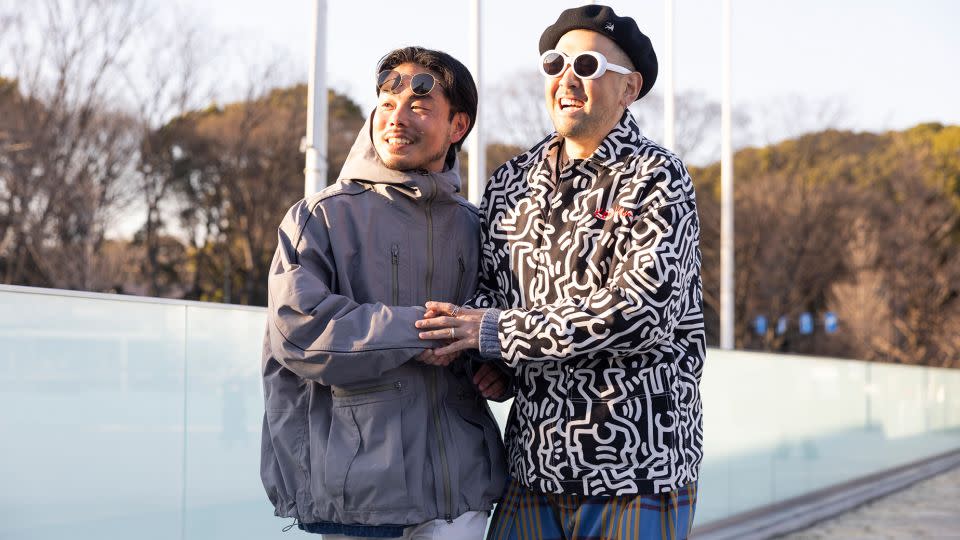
(622, 30)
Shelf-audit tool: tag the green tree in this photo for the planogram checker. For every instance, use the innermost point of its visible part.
(234, 171)
(865, 225)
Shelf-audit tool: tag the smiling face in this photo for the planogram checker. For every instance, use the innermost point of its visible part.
(584, 111)
(415, 132)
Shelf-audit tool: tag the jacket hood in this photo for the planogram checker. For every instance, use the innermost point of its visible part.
(363, 164)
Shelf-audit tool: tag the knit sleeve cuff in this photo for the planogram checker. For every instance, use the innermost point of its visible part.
(489, 338)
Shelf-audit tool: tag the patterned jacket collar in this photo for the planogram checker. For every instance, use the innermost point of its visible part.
(623, 141)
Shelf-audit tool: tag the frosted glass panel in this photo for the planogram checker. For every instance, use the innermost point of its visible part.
(779, 426)
(224, 496)
(92, 423)
(127, 417)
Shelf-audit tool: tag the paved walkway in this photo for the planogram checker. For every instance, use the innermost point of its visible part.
(927, 509)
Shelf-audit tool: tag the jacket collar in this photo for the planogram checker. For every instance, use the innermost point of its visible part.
(623, 141)
(363, 164)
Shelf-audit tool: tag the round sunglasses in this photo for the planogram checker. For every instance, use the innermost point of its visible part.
(586, 65)
(392, 81)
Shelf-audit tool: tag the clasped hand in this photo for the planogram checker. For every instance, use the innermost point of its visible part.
(460, 329)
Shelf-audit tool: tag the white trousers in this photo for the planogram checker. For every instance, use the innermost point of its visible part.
(469, 526)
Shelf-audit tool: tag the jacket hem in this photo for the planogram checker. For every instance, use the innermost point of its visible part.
(377, 517)
(622, 486)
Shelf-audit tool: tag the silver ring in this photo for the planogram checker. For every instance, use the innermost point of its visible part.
(456, 310)
(453, 333)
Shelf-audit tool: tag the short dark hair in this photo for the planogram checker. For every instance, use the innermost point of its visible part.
(455, 80)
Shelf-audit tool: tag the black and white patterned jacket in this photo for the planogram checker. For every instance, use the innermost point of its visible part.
(598, 277)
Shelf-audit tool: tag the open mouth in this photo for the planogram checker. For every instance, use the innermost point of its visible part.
(570, 104)
(396, 140)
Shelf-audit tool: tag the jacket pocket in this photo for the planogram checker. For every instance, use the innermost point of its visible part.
(365, 466)
(343, 392)
(473, 457)
(618, 433)
(482, 465)
(395, 274)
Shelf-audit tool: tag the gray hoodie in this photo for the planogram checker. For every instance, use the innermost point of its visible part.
(355, 431)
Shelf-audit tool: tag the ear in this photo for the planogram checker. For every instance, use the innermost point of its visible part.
(460, 123)
(634, 82)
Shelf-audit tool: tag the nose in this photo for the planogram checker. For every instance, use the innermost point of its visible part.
(397, 117)
(568, 78)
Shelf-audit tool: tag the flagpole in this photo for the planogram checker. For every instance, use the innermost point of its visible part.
(476, 148)
(726, 192)
(315, 143)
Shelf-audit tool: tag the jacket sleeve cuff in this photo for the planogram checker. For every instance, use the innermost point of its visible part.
(489, 338)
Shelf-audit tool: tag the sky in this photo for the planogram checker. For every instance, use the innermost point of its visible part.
(888, 64)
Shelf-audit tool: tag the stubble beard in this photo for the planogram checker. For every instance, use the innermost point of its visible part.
(587, 127)
(574, 129)
(404, 163)
(441, 152)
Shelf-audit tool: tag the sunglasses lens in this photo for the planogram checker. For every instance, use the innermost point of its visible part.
(387, 81)
(422, 84)
(585, 66)
(553, 64)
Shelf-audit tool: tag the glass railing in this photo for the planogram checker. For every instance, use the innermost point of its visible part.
(129, 417)
(779, 426)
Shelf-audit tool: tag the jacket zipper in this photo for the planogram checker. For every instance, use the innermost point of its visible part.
(369, 389)
(432, 388)
(430, 238)
(395, 278)
(463, 270)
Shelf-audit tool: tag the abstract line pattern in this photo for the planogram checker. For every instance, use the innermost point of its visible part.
(603, 318)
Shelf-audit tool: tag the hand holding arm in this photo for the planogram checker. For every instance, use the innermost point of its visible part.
(430, 357)
(492, 382)
(445, 321)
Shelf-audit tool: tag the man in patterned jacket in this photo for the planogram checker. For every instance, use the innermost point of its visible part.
(590, 291)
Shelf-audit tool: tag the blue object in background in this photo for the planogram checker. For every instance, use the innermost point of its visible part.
(782, 325)
(760, 325)
(830, 322)
(806, 323)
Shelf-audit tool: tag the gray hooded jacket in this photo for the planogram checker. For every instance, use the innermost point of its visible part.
(355, 431)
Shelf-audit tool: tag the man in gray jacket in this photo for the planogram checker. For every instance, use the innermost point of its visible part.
(366, 432)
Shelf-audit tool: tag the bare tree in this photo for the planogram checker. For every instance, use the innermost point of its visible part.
(67, 178)
(792, 115)
(6, 22)
(517, 113)
(789, 249)
(860, 224)
(696, 124)
(861, 301)
(903, 303)
(904, 313)
(518, 117)
(239, 169)
(177, 81)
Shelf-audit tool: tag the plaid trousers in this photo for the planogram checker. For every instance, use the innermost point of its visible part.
(528, 515)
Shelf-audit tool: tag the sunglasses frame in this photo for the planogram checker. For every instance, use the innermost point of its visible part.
(602, 64)
(398, 78)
